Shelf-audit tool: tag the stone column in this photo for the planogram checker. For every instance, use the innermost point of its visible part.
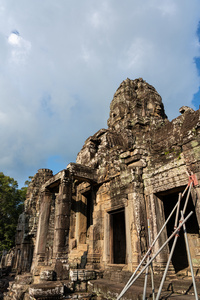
(106, 252)
(62, 219)
(130, 210)
(43, 225)
(17, 257)
(81, 219)
(196, 201)
(128, 239)
(157, 220)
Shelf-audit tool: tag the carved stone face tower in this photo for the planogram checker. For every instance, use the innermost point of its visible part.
(135, 103)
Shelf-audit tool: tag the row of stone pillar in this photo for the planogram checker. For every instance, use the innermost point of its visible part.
(61, 223)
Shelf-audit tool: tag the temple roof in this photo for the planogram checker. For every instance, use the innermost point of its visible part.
(135, 101)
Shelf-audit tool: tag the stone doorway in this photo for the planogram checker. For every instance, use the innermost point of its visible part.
(89, 209)
(169, 199)
(117, 237)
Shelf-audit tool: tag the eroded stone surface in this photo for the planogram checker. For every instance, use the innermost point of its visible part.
(48, 290)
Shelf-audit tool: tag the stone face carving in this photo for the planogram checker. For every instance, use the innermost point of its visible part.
(135, 102)
(123, 175)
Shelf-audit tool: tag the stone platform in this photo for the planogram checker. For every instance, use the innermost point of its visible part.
(181, 289)
(89, 284)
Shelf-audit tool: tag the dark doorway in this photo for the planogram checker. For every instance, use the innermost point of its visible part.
(170, 198)
(118, 237)
(89, 209)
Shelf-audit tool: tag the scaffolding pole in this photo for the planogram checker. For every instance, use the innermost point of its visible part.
(175, 241)
(189, 258)
(147, 270)
(153, 243)
(150, 261)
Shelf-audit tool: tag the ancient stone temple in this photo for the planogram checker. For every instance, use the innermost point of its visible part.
(93, 214)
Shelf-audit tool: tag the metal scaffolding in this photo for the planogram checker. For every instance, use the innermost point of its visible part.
(178, 224)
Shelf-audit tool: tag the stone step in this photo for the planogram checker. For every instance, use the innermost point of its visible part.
(179, 284)
(110, 290)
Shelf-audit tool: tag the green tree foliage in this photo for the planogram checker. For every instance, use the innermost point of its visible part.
(11, 206)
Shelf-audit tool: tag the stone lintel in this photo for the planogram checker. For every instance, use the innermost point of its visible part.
(55, 180)
(78, 171)
(82, 173)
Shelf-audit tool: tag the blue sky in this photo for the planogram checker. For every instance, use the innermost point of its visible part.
(62, 61)
(196, 96)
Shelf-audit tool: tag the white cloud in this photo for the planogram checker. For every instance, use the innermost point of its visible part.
(61, 62)
(14, 39)
(20, 47)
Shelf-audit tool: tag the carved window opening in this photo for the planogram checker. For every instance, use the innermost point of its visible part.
(169, 199)
(117, 237)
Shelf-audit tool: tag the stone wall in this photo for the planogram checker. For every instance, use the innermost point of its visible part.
(28, 222)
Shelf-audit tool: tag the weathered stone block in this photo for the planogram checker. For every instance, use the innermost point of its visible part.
(80, 286)
(48, 290)
(48, 275)
(62, 222)
(82, 275)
